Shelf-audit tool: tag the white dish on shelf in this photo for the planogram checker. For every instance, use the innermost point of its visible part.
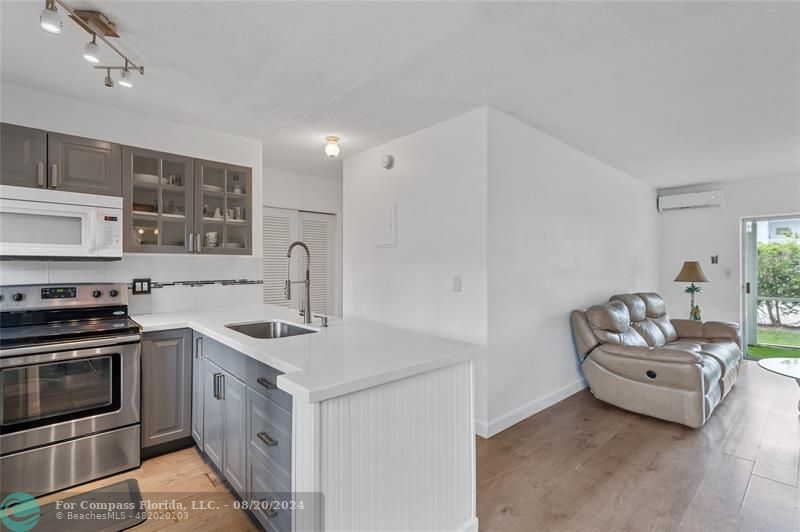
(144, 213)
(215, 188)
(166, 215)
(146, 178)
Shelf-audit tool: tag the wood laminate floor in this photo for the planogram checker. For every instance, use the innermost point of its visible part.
(583, 465)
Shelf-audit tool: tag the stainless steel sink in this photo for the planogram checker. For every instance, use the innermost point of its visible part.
(269, 329)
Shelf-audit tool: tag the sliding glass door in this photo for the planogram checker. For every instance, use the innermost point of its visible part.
(771, 260)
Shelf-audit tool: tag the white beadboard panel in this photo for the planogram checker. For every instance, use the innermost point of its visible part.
(306, 461)
(400, 456)
(23, 272)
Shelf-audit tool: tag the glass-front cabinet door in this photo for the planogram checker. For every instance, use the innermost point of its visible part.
(223, 208)
(158, 189)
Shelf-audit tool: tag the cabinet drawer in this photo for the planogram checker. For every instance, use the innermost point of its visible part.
(263, 378)
(264, 486)
(267, 439)
(228, 359)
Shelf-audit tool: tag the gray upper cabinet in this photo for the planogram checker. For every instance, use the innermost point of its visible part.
(223, 208)
(77, 164)
(23, 156)
(167, 383)
(158, 192)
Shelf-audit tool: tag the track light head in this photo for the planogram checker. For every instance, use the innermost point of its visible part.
(109, 81)
(49, 19)
(125, 79)
(91, 52)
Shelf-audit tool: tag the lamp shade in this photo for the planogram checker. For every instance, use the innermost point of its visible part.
(691, 273)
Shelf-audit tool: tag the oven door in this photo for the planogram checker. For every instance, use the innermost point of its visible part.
(53, 396)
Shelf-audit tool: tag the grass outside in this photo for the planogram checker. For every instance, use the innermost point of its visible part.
(788, 339)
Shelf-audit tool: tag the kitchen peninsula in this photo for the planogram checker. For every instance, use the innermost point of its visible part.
(379, 420)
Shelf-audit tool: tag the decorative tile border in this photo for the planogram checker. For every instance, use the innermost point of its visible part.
(222, 282)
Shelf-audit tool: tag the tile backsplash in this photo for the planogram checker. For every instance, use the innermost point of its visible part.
(159, 268)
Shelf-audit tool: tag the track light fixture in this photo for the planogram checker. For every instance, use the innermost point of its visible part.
(49, 19)
(99, 27)
(91, 51)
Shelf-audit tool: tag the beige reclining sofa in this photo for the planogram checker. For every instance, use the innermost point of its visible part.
(635, 357)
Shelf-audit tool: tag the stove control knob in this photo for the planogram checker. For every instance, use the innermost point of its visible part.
(97, 293)
(18, 296)
(113, 293)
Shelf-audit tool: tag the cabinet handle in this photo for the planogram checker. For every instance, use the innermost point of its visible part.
(269, 442)
(54, 176)
(222, 386)
(270, 511)
(199, 243)
(190, 242)
(40, 174)
(198, 347)
(217, 387)
(265, 383)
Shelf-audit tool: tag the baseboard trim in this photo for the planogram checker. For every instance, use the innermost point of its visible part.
(525, 411)
(469, 526)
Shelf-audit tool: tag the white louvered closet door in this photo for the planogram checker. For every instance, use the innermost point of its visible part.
(317, 231)
(280, 230)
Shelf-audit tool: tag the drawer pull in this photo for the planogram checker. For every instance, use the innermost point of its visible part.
(270, 510)
(266, 383)
(269, 442)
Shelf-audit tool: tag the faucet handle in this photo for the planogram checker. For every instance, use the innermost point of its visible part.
(322, 317)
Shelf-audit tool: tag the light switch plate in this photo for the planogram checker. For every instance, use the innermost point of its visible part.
(457, 283)
(141, 286)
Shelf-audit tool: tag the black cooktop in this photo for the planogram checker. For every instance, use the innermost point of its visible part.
(30, 328)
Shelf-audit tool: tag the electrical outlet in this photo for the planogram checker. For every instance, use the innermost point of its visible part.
(141, 286)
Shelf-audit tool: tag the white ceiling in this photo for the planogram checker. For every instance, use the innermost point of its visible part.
(672, 93)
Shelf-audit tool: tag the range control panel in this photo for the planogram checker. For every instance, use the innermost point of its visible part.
(48, 296)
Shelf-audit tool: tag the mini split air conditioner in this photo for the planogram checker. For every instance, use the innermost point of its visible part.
(694, 200)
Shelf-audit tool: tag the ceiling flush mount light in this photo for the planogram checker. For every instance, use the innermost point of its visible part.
(332, 146)
(91, 52)
(98, 26)
(49, 19)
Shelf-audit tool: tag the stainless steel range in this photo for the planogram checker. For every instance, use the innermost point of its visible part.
(69, 385)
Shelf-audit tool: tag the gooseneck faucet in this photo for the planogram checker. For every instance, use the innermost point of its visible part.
(305, 309)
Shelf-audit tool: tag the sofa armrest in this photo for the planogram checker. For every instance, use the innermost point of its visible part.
(656, 354)
(710, 330)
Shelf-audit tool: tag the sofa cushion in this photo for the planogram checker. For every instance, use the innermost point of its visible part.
(652, 334)
(656, 311)
(611, 323)
(727, 354)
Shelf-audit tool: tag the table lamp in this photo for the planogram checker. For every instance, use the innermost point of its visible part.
(692, 273)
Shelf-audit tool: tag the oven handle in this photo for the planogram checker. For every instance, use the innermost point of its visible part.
(47, 349)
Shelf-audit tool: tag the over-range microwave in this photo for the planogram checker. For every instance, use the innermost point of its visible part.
(43, 224)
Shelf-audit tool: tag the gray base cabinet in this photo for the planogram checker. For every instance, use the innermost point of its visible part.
(243, 423)
(167, 386)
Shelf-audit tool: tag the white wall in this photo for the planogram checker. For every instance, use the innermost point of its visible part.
(565, 231)
(534, 227)
(51, 112)
(697, 234)
(439, 186)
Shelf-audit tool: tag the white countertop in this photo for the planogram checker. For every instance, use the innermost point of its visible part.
(347, 356)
